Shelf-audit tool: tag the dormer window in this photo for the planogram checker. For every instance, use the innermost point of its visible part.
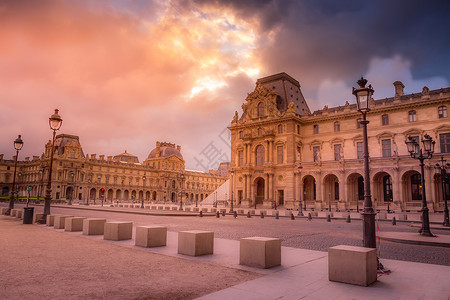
(412, 116)
(261, 109)
(316, 129)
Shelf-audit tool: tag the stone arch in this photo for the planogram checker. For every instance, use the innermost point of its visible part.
(411, 186)
(382, 187)
(147, 195)
(119, 195)
(331, 188)
(141, 195)
(309, 188)
(109, 195)
(355, 192)
(259, 188)
(126, 195)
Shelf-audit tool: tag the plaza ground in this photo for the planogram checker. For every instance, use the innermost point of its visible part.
(40, 262)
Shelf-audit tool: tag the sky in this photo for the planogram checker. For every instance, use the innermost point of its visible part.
(125, 74)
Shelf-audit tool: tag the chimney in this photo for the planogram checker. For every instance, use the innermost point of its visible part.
(93, 156)
(109, 158)
(398, 89)
(179, 148)
(27, 158)
(1, 156)
(101, 157)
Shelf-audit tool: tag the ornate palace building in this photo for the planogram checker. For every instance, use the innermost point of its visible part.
(160, 178)
(284, 153)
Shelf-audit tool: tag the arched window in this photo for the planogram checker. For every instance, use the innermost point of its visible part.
(173, 183)
(442, 110)
(241, 134)
(280, 128)
(260, 155)
(337, 126)
(259, 131)
(261, 109)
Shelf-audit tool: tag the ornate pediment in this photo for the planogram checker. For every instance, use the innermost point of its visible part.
(260, 104)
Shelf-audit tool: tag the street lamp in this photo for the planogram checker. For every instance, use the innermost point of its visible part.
(363, 95)
(18, 144)
(181, 178)
(232, 187)
(417, 152)
(55, 123)
(443, 168)
(41, 171)
(143, 183)
(71, 194)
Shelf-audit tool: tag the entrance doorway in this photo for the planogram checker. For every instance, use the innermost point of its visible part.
(259, 191)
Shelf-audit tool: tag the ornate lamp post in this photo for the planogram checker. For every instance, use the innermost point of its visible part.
(41, 171)
(55, 123)
(363, 95)
(143, 183)
(442, 168)
(232, 187)
(181, 178)
(417, 152)
(72, 174)
(18, 144)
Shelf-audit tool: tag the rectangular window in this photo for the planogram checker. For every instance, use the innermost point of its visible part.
(360, 150)
(442, 110)
(280, 154)
(386, 148)
(240, 158)
(358, 123)
(385, 120)
(412, 116)
(337, 152)
(445, 142)
(316, 153)
(316, 129)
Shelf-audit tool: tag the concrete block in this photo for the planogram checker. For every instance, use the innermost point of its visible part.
(19, 214)
(151, 236)
(351, 264)
(118, 231)
(415, 217)
(195, 209)
(160, 207)
(153, 207)
(195, 242)
(398, 216)
(313, 213)
(13, 213)
(174, 208)
(288, 213)
(381, 216)
(355, 215)
(341, 214)
(37, 217)
(213, 210)
(166, 207)
(94, 226)
(50, 220)
(60, 221)
(204, 209)
(187, 209)
(4, 210)
(324, 214)
(74, 224)
(260, 252)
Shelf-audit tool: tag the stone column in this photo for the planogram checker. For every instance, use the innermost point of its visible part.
(245, 155)
(271, 187)
(294, 192)
(429, 182)
(266, 188)
(266, 152)
(271, 151)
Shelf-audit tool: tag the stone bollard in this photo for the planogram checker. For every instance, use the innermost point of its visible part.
(200, 214)
(348, 219)
(248, 215)
(217, 214)
(309, 217)
(394, 222)
(328, 218)
(223, 213)
(235, 214)
(262, 215)
(277, 216)
(292, 216)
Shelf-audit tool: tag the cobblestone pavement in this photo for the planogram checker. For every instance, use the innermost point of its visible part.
(299, 233)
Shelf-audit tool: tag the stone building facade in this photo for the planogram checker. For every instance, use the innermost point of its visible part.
(281, 152)
(161, 177)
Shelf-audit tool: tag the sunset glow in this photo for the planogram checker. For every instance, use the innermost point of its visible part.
(125, 74)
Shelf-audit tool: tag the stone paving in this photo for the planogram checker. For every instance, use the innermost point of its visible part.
(89, 267)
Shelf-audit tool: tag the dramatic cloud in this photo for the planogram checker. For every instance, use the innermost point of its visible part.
(125, 74)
